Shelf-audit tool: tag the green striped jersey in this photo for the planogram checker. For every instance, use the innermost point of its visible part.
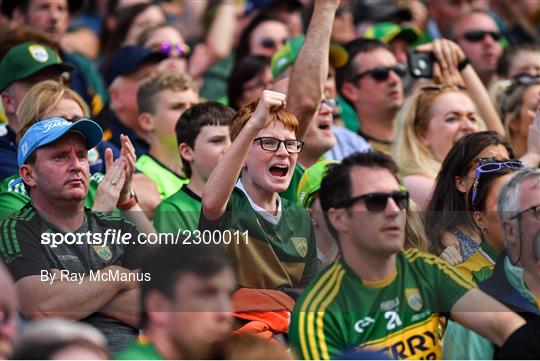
(400, 315)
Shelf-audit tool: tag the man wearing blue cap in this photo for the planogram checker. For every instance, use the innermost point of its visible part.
(61, 255)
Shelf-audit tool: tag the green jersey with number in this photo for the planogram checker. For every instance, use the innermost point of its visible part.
(272, 256)
(180, 211)
(400, 315)
(13, 195)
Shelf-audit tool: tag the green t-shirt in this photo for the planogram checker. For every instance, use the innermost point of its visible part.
(271, 256)
(400, 315)
(14, 196)
(141, 349)
(180, 211)
(290, 193)
(167, 181)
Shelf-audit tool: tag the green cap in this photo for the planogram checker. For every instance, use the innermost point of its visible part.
(387, 31)
(310, 183)
(27, 59)
(286, 56)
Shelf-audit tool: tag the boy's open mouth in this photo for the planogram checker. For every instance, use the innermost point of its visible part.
(279, 170)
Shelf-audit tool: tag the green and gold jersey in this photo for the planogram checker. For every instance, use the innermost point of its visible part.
(267, 255)
(400, 315)
(13, 195)
(479, 267)
(180, 211)
(167, 182)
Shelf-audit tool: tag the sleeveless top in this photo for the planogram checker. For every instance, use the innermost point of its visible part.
(467, 245)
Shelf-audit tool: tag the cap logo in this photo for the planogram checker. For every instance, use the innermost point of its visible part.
(55, 123)
(39, 53)
(24, 148)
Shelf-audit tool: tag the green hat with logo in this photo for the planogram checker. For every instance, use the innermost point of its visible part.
(286, 56)
(310, 183)
(25, 60)
(387, 31)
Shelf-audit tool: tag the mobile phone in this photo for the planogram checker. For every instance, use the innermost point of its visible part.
(421, 63)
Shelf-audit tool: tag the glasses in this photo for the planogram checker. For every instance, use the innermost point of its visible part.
(272, 144)
(490, 168)
(534, 209)
(382, 74)
(479, 35)
(269, 43)
(166, 48)
(377, 202)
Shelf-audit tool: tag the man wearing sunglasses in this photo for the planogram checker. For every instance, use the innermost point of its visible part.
(378, 296)
(513, 281)
(478, 35)
(372, 83)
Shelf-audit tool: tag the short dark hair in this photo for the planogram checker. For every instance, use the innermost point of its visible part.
(336, 185)
(355, 47)
(192, 120)
(165, 265)
(247, 69)
(485, 182)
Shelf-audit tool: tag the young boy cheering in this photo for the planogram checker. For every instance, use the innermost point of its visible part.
(279, 250)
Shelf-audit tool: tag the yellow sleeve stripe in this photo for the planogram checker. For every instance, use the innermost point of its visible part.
(320, 316)
(443, 266)
(311, 294)
(452, 273)
(319, 293)
(314, 307)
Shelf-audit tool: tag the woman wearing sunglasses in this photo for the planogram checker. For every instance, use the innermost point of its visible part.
(482, 205)
(519, 104)
(447, 220)
(166, 39)
(437, 116)
(264, 35)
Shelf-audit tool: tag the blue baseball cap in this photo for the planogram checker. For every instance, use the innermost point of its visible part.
(49, 130)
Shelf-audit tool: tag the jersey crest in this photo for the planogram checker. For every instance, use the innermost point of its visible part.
(301, 245)
(414, 299)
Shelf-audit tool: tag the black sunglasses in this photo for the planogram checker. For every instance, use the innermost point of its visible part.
(376, 202)
(270, 43)
(479, 35)
(382, 74)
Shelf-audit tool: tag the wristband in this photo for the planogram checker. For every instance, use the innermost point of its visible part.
(132, 201)
(463, 64)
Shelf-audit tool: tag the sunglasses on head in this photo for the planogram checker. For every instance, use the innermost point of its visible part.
(526, 79)
(490, 168)
(479, 35)
(383, 73)
(269, 43)
(377, 202)
(166, 48)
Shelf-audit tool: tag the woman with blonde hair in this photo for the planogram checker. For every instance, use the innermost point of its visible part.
(437, 115)
(48, 95)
